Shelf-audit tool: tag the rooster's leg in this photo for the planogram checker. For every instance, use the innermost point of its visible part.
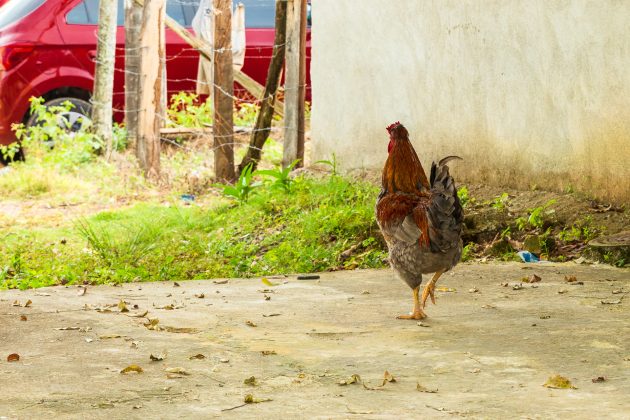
(429, 289)
(417, 312)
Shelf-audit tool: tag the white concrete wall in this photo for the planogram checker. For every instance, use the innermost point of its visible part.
(527, 91)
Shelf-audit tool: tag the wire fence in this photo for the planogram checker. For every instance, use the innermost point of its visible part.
(181, 63)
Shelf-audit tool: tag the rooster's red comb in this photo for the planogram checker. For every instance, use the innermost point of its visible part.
(392, 126)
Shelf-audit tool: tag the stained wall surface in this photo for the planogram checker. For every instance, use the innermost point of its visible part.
(532, 92)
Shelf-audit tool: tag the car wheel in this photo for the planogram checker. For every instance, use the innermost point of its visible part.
(73, 120)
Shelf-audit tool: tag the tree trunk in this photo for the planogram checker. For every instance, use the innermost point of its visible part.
(292, 83)
(104, 75)
(223, 126)
(133, 22)
(263, 121)
(150, 92)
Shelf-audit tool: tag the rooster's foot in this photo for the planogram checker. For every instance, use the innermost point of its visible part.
(416, 315)
(429, 289)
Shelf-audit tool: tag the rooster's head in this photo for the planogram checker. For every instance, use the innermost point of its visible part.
(402, 171)
(396, 132)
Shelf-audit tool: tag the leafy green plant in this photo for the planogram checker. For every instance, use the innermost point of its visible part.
(462, 194)
(332, 164)
(186, 110)
(282, 178)
(244, 187)
(9, 151)
(51, 142)
(500, 203)
(467, 252)
(246, 114)
(536, 216)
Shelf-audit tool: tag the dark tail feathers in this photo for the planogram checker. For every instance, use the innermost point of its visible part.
(445, 214)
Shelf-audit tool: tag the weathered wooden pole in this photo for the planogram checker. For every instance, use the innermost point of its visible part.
(104, 75)
(292, 85)
(302, 85)
(152, 47)
(133, 23)
(263, 120)
(223, 125)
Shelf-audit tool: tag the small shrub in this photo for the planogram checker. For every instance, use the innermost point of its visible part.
(282, 178)
(244, 187)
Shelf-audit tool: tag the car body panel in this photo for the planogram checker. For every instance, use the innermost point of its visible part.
(55, 57)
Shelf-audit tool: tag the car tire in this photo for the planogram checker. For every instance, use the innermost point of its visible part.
(79, 114)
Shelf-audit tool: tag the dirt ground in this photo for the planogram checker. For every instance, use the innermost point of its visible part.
(486, 348)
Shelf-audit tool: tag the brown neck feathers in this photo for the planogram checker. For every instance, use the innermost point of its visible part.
(403, 171)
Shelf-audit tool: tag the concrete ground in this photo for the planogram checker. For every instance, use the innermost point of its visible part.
(486, 348)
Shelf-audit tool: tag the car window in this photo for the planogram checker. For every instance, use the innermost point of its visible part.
(259, 13)
(86, 12)
(16, 10)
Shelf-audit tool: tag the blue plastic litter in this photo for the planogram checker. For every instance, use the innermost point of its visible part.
(188, 197)
(527, 256)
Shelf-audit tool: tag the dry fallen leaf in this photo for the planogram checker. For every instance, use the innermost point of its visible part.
(200, 296)
(267, 297)
(269, 315)
(140, 315)
(489, 306)
(611, 302)
(106, 337)
(177, 371)
(13, 357)
(473, 290)
(68, 328)
(157, 358)
(220, 281)
(421, 388)
(122, 306)
(132, 369)
(558, 382)
(387, 377)
(599, 379)
(175, 284)
(28, 303)
(197, 356)
(152, 324)
(251, 381)
(23, 318)
(249, 399)
(250, 323)
(354, 379)
(266, 282)
(570, 279)
(179, 330)
(268, 352)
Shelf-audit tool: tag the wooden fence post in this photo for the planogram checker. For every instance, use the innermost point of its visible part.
(152, 47)
(265, 115)
(302, 85)
(292, 106)
(223, 125)
(104, 75)
(133, 22)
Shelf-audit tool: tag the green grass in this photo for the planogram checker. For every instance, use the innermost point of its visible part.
(273, 233)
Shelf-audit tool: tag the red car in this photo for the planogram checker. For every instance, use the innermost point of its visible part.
(47, 49)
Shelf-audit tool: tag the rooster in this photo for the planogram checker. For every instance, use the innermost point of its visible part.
(421, 219)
